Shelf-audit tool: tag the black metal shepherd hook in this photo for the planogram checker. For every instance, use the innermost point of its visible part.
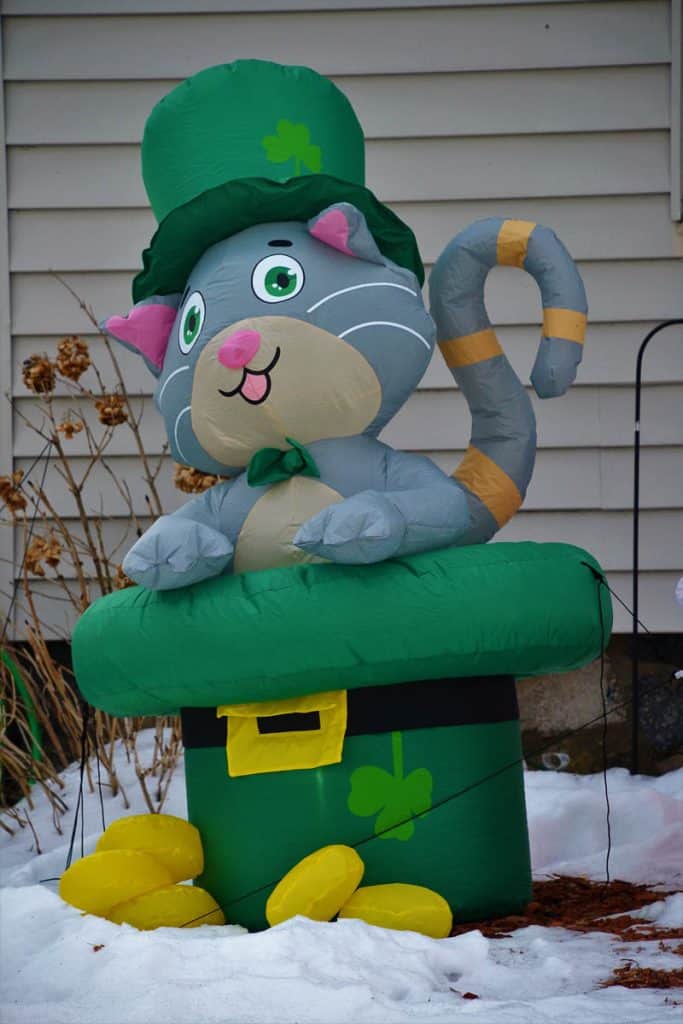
(635, 681)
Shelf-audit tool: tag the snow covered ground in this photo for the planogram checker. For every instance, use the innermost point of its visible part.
(59, 967)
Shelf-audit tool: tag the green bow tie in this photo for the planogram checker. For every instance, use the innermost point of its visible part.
(269, 465)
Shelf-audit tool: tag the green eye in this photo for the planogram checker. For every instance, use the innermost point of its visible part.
(191, 325)
(191, 321)
(280, 282)
(277, 277)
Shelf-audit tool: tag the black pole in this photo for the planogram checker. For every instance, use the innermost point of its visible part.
(635, 681)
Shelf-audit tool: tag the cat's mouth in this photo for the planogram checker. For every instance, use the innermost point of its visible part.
(255, 385)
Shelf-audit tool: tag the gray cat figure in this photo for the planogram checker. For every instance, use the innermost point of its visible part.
(288, 353)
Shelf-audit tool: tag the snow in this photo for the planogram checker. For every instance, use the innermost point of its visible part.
(666, 913)
(568, 831)
(60, 967)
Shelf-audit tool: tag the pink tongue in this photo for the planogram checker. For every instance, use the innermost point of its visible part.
(255, 386)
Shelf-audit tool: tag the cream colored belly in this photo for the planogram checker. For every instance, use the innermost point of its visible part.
(265, 540)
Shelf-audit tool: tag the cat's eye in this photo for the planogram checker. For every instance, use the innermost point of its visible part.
(191, 321)
(277, 277)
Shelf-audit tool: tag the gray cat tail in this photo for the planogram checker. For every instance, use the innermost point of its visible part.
(499, 461)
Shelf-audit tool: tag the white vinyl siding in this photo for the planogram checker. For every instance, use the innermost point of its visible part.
(558, 112)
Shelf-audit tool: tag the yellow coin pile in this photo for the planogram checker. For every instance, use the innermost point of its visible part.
(325, 885)
(132, 876)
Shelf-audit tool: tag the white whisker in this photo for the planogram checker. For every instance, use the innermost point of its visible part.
(175, 432)
(169, 379)
(386, 323)
(353, 288)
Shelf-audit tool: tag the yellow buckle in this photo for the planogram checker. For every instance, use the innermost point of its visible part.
(251, 750)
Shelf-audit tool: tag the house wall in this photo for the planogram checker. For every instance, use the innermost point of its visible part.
(550, 111)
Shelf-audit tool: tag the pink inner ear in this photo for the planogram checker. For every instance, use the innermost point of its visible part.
(146, 328)
(333, 229)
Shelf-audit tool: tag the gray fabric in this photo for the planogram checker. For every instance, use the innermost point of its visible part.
(366, 316)
(359, 240)
(176, 552)
(503, 421)
(557, 361)
(420, 510)
(456, 284)
(340, 293)
(555, 272)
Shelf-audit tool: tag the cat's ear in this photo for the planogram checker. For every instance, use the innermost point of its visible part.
(146, 328)
(344, 227)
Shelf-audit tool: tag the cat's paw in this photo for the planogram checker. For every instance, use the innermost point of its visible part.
(177, 552)
(357, 531)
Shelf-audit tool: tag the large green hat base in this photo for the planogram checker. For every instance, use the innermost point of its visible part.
(276, 634)
(470, 846)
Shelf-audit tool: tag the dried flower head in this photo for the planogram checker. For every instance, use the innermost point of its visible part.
(73, 357)
(69, 427)
(39, 374)
(121, 581)
(10, 492)
(112, 410)
(193, 481)
(43, 549)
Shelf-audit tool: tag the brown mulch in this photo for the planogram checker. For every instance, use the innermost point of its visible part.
(582, 905)
(632, 976)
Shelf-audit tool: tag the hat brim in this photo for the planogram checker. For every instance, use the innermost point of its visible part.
(188, 231)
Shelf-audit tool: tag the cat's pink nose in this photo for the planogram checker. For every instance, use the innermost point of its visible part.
(239, 348)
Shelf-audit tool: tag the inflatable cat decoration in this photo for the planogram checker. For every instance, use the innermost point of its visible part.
(280, 309)
(285, 324)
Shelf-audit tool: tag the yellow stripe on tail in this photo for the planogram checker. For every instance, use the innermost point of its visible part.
(513, 239)
(564, 323)
(485, 479)
(470, 348)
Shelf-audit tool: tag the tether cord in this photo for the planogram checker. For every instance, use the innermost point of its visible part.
(85, 707)
(99, 782)
(85, 710)
(603, 699)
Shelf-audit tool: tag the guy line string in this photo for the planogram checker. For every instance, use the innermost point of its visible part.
(85, 707)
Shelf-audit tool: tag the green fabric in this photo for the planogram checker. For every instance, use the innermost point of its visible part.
(270, 465)
(35, 730)
(518, 609)
(247, 143)
(187, 232)
(248, 119)
(473, 850)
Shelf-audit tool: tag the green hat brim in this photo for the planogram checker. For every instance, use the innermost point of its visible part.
(189, 230)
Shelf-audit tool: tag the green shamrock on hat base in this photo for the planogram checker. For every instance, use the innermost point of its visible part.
(394, 798)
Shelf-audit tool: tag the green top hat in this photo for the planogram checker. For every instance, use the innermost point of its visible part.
(247, 143)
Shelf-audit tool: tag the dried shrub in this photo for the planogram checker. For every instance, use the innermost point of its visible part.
(39, 374)
(73, 357)
(41, 550)
(70, 427)
(121, 581)
(193, 481)
(10, 493)
(112, 410)
(41, 719)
